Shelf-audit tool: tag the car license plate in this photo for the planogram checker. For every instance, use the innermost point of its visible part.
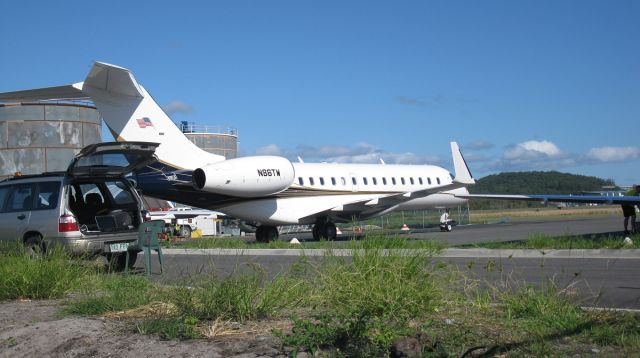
(119, 247)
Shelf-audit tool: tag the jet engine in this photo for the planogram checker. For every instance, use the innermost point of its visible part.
(245, 177)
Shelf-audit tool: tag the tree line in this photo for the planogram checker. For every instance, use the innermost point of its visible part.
(535, 182)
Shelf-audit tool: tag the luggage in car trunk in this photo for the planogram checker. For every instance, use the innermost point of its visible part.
(115, 221)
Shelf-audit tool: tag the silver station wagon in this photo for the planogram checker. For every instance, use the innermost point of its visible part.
(91, 209)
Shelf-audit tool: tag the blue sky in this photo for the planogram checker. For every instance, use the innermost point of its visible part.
(521, 85)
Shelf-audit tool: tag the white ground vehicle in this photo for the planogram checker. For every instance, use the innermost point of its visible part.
(184, 220)
(91, 209)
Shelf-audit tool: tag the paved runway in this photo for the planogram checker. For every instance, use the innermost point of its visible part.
(603, 278)
(506, 231)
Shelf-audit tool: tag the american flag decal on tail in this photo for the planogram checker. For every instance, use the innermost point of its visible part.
(144, 122)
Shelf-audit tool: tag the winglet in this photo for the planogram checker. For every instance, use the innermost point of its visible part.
(462, 172)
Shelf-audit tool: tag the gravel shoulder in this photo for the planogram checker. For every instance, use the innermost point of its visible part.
(37, 329)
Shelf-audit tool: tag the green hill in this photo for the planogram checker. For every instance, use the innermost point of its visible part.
(532, 183)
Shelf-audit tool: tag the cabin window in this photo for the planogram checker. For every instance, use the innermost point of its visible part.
(375, 181)
(343, 181)
(411, 180)
(393, 181)
(321, 181)
(333, 181)
(384, 181)
(300, 181)
(364, 180)
(420, 181)
(438, 180)
(429, 181)
(354, 180)
(311, 181)
(402, 180)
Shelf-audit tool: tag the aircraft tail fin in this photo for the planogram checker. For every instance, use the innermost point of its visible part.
(132, 115)
(129, 111)
(462, 172)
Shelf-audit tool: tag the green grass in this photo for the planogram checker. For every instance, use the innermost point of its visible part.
(355, 306)
(542, 241)
(111, 293)
(238, 298)
(170, 327)
(241, 297)
(50, 275)
(366, 301)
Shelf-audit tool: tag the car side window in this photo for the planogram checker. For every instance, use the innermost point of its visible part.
(48, 193)
(120, 192)
(4, 193)
(92, 191)
(21, 198)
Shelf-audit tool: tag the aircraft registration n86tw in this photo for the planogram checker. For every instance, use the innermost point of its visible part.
(266, 191)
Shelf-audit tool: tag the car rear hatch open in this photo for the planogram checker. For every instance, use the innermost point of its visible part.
(112, 159)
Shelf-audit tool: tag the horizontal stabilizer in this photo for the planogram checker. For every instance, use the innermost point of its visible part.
(112, 79)
(45, 94)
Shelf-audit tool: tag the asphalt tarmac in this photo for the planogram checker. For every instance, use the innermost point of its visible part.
(505, 230)
(599, 278)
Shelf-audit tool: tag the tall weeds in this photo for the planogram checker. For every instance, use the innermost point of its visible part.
(49, 275)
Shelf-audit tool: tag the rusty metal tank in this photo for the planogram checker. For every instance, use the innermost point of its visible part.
(44, 137)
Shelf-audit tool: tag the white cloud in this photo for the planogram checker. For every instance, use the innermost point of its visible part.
(177, 107)
(531, 155)
(271, 149)
(361, 153)
(525, 156)
(533, 149)
(613, 154)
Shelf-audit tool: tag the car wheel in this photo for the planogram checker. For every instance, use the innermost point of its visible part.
(35, 245)
(185, 231)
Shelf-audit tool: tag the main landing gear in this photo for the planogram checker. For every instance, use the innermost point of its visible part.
(321, 230)
(324, 229)
(266, 233)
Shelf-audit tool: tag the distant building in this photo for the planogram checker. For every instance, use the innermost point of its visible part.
(609, 191)
(214, 139)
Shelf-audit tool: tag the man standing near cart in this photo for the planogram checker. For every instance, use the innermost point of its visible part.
(629, 211)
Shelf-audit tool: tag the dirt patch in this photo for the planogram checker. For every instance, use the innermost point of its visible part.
(36, 329)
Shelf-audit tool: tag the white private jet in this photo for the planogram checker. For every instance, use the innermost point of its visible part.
(265, 190)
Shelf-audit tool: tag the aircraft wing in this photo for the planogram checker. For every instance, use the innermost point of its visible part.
(586, 199)
(377, 205)
(387, 201)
